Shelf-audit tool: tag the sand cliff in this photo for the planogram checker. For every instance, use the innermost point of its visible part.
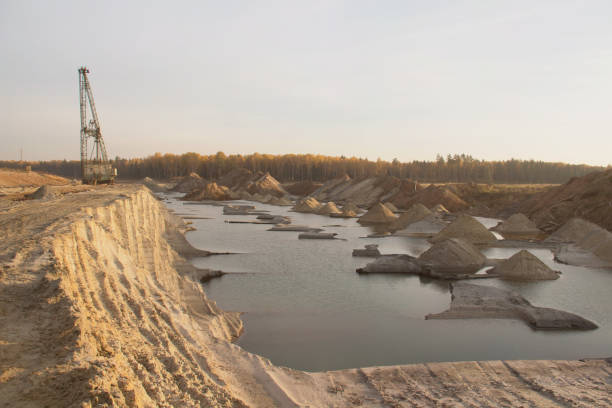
(99, 308)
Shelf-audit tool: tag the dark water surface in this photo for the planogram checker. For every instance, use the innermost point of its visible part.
(306, 308)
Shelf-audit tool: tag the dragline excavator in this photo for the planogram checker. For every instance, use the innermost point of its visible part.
(95, 166)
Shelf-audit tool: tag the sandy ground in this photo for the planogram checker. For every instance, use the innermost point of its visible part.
(99, 308)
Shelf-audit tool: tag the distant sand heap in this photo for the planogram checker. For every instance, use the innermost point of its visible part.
(439, 209)
(236, 178)
(307, 205)
(427, 227)
(467, 228)
(434, 195)
(587, 197)
(580, 240)
(391, 207)
(452, 256)
(572, 231)
(42, 193)
(328, 209)
(347, 213)
(266, 184)
(362, 191)
(517, 224)
(20, 178)
(351, 206)
(210, 191)
(524, 266)
(260, 186)
(302, 188)
(378, 214)
(189, 183)
(416, 213)
(284, 201)
(153, 185)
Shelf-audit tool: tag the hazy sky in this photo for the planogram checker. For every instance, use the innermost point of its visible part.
(405, 79)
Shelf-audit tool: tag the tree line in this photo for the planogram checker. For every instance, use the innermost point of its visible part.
(319, 168)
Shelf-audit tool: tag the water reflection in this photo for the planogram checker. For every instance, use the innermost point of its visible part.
(305, 307)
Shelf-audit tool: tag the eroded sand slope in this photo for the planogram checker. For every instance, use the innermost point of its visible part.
(97, 308)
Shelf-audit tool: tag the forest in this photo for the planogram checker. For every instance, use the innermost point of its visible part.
(319, 168)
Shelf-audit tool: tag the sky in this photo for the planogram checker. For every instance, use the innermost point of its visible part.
(378, 79)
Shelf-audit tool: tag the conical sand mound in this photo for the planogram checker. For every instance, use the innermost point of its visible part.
(211, 191)
(517, 224)
(284, 201)
(427, 227)
(351, 206)
(378, 214)
(453, 255)
(152, 185)
(467, 228)
(307, 205)
(439, 209)
(524, 266)
(189, 183)
(329, 208)
(349, 213)
(43, 193)
(391, 207)
(416, 213)
(572, 231)
(266, 184)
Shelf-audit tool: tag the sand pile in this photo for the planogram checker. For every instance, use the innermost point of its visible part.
(345, 214)
(257, 185)
(517, 224)
(524, 266)
(404, 193)
(189, 183)
(433, 195)
(236, 178)
(302, 188)
(328, 209)
(378, 214)
(351, 206)
(467, 228)
(452, 256)
(18, 178)
(307, 205)
(439, 209)
(332, 187)
(266, 184)
(283, 201)
(583, 243)
(42, 193)
(427, 227)
(598, 242)
(416, 213)
(210, 191)
(365, 191)
(587, 197)
(572, 231)
(391, 207)
(153, 185)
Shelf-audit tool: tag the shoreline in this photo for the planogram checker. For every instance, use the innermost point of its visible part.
(120, 317)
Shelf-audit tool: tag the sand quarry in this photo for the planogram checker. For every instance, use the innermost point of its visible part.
(99, 306)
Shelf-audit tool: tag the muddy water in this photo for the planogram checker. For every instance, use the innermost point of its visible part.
(306, 308)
